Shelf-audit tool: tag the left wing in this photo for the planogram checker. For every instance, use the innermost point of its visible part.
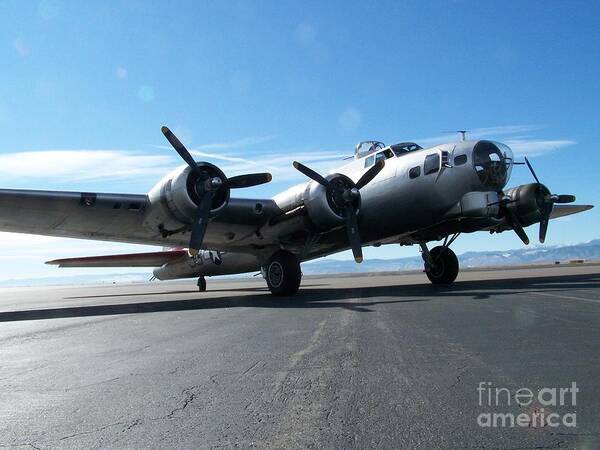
(567, 210)
(558, 210)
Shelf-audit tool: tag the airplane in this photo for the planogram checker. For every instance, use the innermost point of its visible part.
(386, 194)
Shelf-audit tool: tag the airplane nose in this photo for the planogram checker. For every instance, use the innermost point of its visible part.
(492, 162)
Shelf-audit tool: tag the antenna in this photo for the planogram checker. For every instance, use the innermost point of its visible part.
(463, 134)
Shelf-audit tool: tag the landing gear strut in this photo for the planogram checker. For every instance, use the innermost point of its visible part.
(283, 274)
(441, 263)
(202, 284)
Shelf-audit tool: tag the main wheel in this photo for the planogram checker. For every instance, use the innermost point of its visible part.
(202, 284)
(443, 268)
(283, 273)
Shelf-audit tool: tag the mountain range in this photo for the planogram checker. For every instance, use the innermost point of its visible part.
(530, 255)
(587, 251)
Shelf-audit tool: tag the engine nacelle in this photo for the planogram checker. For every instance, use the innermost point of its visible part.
(527, 202)
(208, 263)
(323, 205)
(175, 199)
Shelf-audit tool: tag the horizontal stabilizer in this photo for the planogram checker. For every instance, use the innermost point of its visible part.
(153, 259)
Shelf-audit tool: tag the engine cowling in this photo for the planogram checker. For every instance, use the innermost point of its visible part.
(175, 199)
(527, 202)
(325, 206)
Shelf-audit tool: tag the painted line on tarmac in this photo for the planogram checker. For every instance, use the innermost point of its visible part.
(568, 297)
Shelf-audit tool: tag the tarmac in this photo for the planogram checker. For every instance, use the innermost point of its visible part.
(351, 362)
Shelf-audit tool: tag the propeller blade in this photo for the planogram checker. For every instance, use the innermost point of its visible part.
(516, 226)
(352, 231)
(248, 180)
(544, 223)
(370, 174)
(531, 170)
(179, 148)
(563, 198)
(311, 173)
(200, 222)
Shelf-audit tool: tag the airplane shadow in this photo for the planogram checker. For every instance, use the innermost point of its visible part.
(187, 291)
(321, 297)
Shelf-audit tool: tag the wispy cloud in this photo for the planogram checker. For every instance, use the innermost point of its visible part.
(29, 245)
(533, 147)
(199, 154)
(239, 143)
(521, 138)
(23, 255)
(106, 165)
(210, 150)
(231, 156)
(478, 133)
(80, 165)
(504, 130)
(280, 164)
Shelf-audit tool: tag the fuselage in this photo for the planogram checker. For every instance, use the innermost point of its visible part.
(419, 189)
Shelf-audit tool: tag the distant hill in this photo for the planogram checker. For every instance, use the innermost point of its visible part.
(92, 278)
(529, 255)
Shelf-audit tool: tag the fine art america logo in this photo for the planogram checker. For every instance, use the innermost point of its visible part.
(546, 407)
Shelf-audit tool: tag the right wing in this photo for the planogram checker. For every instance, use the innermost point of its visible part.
(109, 217)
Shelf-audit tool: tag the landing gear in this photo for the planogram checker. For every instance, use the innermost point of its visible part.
(441, 264)
(202, 284)
(283, 274)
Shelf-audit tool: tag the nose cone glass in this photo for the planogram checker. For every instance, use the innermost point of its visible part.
(508, 157)
(493, 163)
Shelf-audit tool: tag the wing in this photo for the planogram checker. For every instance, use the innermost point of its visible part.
(120, 218)
(558, 210)
(152, 259)
(567, 210)
(112, 217)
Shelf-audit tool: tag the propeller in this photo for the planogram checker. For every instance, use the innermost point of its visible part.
(544, 199)
(344, 195)
(513, 221)
(207, 186)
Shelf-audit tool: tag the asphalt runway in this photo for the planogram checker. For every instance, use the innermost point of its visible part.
(351, 362)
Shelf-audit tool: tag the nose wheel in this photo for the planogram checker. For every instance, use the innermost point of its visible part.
(441, 264)
(283, 274)
(201, 284)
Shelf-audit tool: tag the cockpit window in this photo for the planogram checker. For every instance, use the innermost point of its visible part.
(405, 147)
(491, 164)
(367, 147)
(381, 155)
(384, 155)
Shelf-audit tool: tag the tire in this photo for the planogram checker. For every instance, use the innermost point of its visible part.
(283, 274)
(202, 284)
(444, 266)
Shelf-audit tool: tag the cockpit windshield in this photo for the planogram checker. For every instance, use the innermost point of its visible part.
(367, 147)
(405, 147)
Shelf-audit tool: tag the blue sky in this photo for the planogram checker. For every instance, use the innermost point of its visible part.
(85, 87)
